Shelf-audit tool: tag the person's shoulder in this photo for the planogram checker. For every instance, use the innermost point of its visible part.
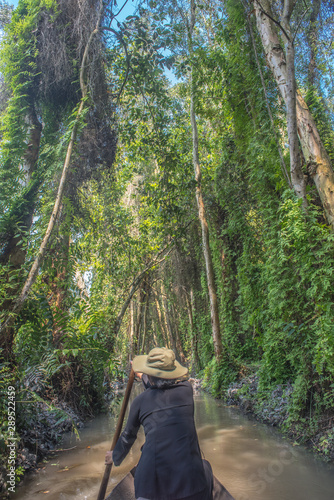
(186, 384)
(137, 401)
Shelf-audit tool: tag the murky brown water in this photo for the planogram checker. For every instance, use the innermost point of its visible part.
(250, 459)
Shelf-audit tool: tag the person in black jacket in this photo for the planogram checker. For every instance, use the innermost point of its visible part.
(170, 467)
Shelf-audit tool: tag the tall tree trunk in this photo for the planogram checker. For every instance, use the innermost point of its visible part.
(193, 337)
(197, 358)
(147, 303)
(201, 211)
(318, 162)
(311, 35)
(177, 336)
(162, 326)
(141, 309)
(144, 295)
(297, 175)
(131, 330)
(155, 338)
(168, 326)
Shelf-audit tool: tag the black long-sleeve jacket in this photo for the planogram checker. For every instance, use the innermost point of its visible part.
(170, 466)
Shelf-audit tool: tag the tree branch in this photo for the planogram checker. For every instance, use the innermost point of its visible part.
(300, 22)
(120, 10)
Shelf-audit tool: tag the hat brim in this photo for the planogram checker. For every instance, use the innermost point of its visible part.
(139, 365)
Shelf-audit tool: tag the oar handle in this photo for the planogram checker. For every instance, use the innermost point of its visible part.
(118, 431)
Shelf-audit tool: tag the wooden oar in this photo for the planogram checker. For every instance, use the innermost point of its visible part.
(118, 431)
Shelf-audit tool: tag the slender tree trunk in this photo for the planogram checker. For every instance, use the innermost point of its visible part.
(137, 325)
(144, 295)
(192, 331)
(197, 358)
(318, 162)
(312, 36)
(177, 336)
(147, 304)
(162, 326)
(201, 211)
(168, 326)
(155, 338)
(297, 175)
(131, 330)
(141, 307)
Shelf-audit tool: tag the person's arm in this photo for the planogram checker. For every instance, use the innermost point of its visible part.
(129, 435)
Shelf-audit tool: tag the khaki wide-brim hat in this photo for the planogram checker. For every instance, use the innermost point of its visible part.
(159, 362)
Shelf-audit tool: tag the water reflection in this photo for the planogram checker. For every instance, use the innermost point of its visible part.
(250, 459)
(254, 462)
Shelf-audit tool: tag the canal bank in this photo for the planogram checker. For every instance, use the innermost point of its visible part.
(276, 408)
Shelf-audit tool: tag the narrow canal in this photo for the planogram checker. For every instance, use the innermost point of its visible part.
(250, 459)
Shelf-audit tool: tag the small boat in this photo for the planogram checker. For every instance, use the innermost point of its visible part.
(125, 490)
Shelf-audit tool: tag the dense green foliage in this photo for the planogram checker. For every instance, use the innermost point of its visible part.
(124, 269)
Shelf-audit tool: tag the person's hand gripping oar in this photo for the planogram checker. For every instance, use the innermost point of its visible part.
(118, 431)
